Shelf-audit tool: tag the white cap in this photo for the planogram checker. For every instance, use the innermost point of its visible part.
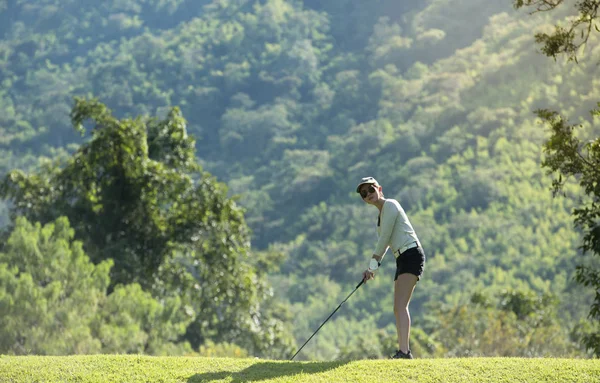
(366, 180)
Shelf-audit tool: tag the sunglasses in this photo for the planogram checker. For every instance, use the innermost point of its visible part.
(365, 192)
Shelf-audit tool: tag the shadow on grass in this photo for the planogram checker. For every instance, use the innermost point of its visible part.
(266, 370)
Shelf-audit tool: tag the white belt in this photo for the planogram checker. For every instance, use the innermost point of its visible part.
(409, 246)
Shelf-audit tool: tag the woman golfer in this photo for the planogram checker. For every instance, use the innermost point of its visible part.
(396, 232)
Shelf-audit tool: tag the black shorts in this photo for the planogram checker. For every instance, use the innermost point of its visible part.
(412, 261)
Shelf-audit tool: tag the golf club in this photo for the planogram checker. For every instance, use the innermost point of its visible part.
(356, 288)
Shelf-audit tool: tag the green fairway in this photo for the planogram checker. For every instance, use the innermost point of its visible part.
(105, 368)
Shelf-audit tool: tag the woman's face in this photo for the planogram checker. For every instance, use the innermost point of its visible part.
(370, 193)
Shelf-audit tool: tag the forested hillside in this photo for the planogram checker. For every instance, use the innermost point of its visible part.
(290, 104)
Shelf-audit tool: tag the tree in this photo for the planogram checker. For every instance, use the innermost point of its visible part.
(567, 156)
(128, 192)
(53, 301)
(570, 158)
(136, 195)
(513, 323)
(569, 40)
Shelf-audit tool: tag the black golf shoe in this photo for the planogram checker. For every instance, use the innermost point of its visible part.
(401, 355)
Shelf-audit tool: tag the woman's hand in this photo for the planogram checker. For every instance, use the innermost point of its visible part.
(368, 274)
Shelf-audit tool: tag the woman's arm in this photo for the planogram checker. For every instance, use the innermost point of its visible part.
(389, 215)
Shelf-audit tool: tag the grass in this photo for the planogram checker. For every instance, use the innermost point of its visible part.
(131, 369)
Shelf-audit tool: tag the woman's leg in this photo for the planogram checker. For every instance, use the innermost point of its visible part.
(403, 289)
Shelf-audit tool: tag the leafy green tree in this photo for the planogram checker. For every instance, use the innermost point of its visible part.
(136, 195)
(131, 321)
(565, 41)
(567, 155)
(49, 291)
(126, 192)
(53, 301)
(513, 323)
(571, 158)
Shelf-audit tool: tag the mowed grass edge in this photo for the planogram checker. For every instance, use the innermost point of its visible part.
(132, 368)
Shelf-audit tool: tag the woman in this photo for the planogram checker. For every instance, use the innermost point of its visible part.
(396, 232)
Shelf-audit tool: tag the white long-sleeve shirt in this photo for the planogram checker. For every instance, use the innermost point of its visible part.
(394, 229)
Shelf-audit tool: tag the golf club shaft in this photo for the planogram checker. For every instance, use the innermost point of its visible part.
(334, 311)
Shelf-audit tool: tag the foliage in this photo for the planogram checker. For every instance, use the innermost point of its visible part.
(124, 190)
(565, 41)
(53, 301)
(567, 156)
(136, 196)
(516, 323)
